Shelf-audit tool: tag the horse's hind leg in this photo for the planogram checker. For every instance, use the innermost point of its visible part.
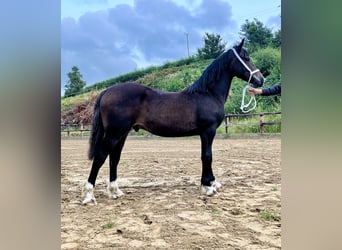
(114, 157)
(99, 158)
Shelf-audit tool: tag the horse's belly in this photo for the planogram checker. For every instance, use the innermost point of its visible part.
(168, 128)
(166, 132)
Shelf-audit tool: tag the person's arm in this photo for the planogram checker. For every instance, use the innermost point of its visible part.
(273, 90)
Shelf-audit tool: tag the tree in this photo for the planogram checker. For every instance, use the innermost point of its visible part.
(276, 40)
(213, 46)
(268, 60)
(257, 35)
(75, 83)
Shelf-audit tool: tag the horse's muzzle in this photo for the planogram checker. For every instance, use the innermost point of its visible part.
(257, 81)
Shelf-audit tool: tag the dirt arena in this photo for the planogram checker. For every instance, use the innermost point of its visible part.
(162, 207)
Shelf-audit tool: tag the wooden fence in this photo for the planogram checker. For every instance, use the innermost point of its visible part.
(80, 129)
(229, 117)
(68, 129)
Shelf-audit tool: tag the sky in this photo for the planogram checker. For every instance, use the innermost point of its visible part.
(107, 38)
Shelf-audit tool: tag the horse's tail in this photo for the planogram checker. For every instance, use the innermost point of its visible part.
(97, 130)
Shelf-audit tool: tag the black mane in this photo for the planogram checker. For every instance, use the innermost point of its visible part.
(210, 75)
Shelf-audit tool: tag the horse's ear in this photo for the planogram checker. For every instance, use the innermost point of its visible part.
(239, 47)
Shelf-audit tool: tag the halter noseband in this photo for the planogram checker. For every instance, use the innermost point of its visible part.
(251, 73)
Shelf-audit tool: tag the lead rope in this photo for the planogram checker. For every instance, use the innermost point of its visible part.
(244, 105)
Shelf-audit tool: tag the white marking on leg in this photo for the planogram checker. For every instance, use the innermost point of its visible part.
(212, 189)
(217, 185)
(88, 194)
(113, 190)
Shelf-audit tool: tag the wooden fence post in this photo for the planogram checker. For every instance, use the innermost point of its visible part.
(261, 123)
(68, 130)
(227, 123)
(81, 129)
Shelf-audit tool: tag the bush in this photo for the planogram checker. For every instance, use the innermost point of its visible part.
(267, 60)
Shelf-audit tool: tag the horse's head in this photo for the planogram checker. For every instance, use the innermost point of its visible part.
(244, 68)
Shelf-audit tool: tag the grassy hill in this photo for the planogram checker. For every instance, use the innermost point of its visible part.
(168, 77)
(173, 76)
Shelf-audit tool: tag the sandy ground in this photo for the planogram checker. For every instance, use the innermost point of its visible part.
(162, 207)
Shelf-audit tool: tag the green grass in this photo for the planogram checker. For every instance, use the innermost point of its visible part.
(69, 102)
(269, 215)
(216, 211)
(108, 225)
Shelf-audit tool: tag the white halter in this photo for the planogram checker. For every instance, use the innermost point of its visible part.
(251, 73)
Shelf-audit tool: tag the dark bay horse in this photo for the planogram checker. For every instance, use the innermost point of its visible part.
(197, 110)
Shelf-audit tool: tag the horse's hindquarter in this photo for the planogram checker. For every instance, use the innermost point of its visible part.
(122, 104)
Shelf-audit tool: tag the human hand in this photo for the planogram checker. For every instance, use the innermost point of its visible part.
(253, 91)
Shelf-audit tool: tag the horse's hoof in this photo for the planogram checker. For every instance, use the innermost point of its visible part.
(208, 190)
(113, 190)
(88, 194)
(217, 185)
(211, 190)
(89, 199)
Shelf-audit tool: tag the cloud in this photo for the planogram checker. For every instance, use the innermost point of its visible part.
(106, 43)
(274, 22)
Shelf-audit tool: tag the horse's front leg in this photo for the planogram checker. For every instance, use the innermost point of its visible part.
(208, 184)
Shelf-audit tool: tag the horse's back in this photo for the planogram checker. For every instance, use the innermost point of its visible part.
(123, 92)
(133, 94)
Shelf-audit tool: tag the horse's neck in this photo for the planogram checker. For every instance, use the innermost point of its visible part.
(222, 86)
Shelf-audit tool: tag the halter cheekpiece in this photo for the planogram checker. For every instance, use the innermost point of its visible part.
(244, 106)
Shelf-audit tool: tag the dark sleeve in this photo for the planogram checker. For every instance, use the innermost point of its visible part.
(273, 90)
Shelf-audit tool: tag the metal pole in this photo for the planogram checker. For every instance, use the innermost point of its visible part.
(187, 42)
